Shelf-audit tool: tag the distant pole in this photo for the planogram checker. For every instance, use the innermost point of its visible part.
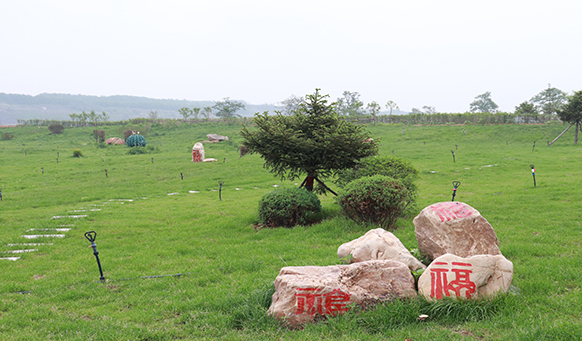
(152, 160)
(224, 160)
(453, 152)
(533, 173)
(0, 194)
(106, 174)
(220, 183)
(456, 185)
(42, 170)
(534, 146)
(182, 175)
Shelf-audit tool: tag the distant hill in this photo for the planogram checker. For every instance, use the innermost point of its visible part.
(60, 106)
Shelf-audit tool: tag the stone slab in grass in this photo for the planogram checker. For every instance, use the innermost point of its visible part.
(29, 244)
(65, 229)
(470, 278)
(456, 228)
(35, 236)
(69, 216)
(307, 293)
(20, 251)
(10, 258)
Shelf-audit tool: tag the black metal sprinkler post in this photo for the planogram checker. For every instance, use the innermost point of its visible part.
(453, 152)
(534, 146)
(456, 185)
(220, 183)
(182, 175)
(533, 173)
(91, 237)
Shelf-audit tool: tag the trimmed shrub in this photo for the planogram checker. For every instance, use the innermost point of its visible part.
(374, 199)
(99, 135)
(77, 153)
(288, 207)
(56, 128)
(7, 136)
(135, 141)
(393, 167)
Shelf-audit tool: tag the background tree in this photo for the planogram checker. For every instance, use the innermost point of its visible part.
(550, 100)
(185, 112)
(350, 104)
(526, 108)
(73, 117)
(104, 116)
(313, 141)
(483, 103)
(93, 117)
(416, 111)
(153, 114)
(207, 112)
(228, 108)
(291, 104)
(195, 112)
(429, 110)
(373, 108)
(571, 112)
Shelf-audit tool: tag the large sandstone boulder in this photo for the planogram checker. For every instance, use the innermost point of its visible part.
(304, 294)
(454, 227)
(472, 277)
(379, 244)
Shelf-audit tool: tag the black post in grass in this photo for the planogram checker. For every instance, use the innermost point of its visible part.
(106, 174)
(152, 160)
(57, 161)
(456, 185)
(533, 173)
(534, 146)
(42, 170)
(456, 147)
(220, 183)
(0, 194)
(91, 235)
(453, 152)
(182, 175)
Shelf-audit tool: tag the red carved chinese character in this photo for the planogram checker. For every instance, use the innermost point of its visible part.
(440, 285)
(311, 301)
(451, 210)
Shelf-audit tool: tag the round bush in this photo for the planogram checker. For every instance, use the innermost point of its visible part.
(56, 128)
(374, 199)
(77, 153)
(135, 140)
(393, 167)
(288, 207)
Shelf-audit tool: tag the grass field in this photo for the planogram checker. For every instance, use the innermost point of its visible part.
(227, 267)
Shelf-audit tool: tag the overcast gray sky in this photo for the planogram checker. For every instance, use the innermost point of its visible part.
(416, 53)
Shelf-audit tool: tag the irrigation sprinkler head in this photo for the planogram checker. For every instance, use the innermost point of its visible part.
(220, 183)
(91, 236)
(456, 185)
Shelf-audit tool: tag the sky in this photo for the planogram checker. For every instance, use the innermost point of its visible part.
(416, 53)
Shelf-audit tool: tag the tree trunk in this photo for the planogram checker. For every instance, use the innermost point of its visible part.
(571, 124)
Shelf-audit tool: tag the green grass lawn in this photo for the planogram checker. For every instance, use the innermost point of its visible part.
(227, 267)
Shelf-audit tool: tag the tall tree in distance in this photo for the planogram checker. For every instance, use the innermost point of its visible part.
(207, 111)
(391, 106)
(373, 108)
(195, 112)
(291, 104)
(483, 103)
(350, 104)
(550, 100)
(228, 108)
(571, 112)
(313, 141)
(185, 112)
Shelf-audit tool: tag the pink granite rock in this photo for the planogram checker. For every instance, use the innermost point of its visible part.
(307, 293)
(454, 227)
(472, 277)
(378, 244)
